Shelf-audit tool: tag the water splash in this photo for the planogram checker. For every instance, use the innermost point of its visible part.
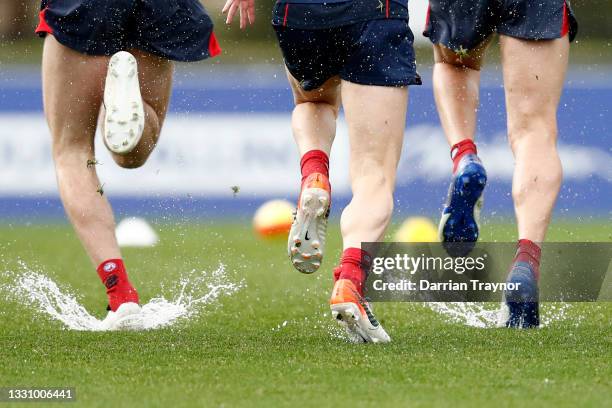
(488, 315)
(556, 312)
(41, 292)
(194, 291)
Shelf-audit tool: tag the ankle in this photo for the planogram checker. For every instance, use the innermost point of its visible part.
(119, 290)
(458, 150)
(355, 265)
(314, 161)
(529, 252)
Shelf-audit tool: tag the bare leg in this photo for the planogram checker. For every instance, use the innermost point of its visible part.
(314, 116)
(456, 82)
(534, 72)
(72, 85)
(73, 88)
(314, 129)
(376, 136)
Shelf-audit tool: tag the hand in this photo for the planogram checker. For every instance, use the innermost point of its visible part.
(247, 11)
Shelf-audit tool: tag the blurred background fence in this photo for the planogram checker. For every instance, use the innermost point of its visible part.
(229, 125)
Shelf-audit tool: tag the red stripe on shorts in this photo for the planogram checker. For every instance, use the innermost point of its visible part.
(43, 27)
(565, 24)
(285, 17)
(213, 45)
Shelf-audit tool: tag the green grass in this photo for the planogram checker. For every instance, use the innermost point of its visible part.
(231, 356)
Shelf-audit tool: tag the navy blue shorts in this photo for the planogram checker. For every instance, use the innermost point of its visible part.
(316, 14)
(464, 24)
(178, 30)
(376, 52)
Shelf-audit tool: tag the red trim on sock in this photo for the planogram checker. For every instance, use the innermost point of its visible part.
(530, 252)
(214, 48)
(565, 24)
(355, 265)
(387, 9)
(314, 161)
(460, 149)
(43, 26)
(118, 288)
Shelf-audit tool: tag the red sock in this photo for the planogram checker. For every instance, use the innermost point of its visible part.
(460, 149)
(314, 161)
(530, 252)
(118, 287)
(354, 266)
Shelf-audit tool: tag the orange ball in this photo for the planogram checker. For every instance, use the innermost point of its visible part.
(273, 219)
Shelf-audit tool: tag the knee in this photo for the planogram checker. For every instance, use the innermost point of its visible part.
(470, 59)
(133, 160)
(68, 148)
(137, 157)
(315, 108)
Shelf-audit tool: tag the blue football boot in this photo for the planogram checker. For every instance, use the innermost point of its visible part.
(458, 230)
(522, 300)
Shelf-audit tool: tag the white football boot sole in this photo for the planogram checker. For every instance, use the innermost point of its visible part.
(308, 231)
(358, 326)
(124, 109)
(126, 317)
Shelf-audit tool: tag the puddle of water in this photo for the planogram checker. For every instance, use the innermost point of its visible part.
(485, 315)
(194, 292)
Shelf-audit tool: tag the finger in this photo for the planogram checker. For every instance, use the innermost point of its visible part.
(243, 15)
(228, 3)
(231, 13)
(251, 13)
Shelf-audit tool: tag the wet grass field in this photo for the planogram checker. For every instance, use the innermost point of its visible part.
(273, 343)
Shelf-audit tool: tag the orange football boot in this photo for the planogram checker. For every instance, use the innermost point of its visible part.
(307, 235)
(354, 313)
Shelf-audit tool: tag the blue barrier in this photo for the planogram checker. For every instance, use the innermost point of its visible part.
(584, 120)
